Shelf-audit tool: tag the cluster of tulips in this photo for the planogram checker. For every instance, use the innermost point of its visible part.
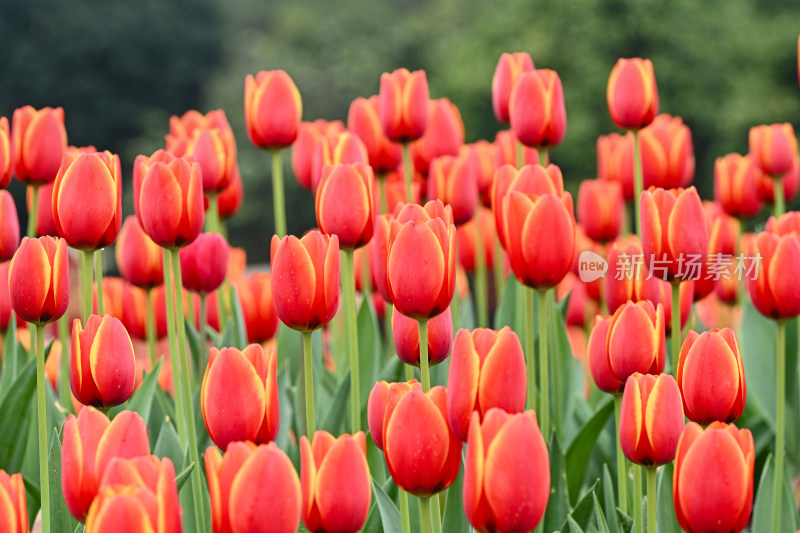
(185, 316)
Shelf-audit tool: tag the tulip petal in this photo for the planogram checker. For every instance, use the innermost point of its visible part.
(112, 362)
(415, 270)
(462, 383)
(343, 489)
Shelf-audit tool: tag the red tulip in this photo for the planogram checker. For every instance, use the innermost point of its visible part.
(659, 291)
(487, 371)
(632, 93)
(231, 198)
(467, 235)
(403, 104)
(209, 140)
(244, 382)
(507, 150)
(790, 184)
(601, 209)
(272, 109)
(345, 204)
(45, 224)
(405, 332)
(90, 444)
(303, 148)
(134, 310)
(5, 154)
(13, 507)
(482, 156)
(771, 282)
(141, 166)
(38, 280)
(335, 482)
(421, 260)
(39, 140)
(113, 297)
(581, 308)
(336, 149)
(363, 119)
(444, 135)
(506, 472)
(378, 250)
(536, 108)
(87, 200)
(508, 70)
(5, 297)
(774, 148)
(9, 226)
(204, 263)
(615, 161)
(712, 485)
(258, 307)
(394, 187)
(736, 185)
(667, 153)
(453, 180)
(139, 259)
(651, 420)
(305, 279)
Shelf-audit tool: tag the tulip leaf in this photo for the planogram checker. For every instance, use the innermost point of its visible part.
(377, 466)
(33, 498)
(390, 516)
(15, 414)
(141, 400)
(625, 521)
(582, 513)
(762, 508)
(183, 476)
(558, 505)
(757, 337)
(14, 356)
(602, 525)
(193, 340)
(609, 499)
(169, 445)
(80, 528)
(580, 449)
(455, 521)
(572, 526)
(338, 408)
(369, 348)
(507, 305)
(667, 521)
(239, 326)
(60, 517)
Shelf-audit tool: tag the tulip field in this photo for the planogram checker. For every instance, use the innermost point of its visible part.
(458, 346)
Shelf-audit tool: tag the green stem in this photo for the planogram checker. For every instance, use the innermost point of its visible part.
(498, 271)
(308, 383)
(349, 303)
(424, 367)
(86, 284)
(278, 203)
(520, 155)
(638, 519)
(780, 203)
(98, 274)
(481, 296)
(33, 213)
(150, 326)
(383, 201)
(212, 215)
(185, 372)
(651, 498)
(676, 324)
(638, 183)
(544, 157)
(173, 348)
(405, 519)
(780, 406)
(622, 465)
(202, 360)
(189, 307)
(44, 471)
(544, 363)
(408, 167)
(222, 304)
(436, 513)
(529, 346)
(64, 390)
(425, 517)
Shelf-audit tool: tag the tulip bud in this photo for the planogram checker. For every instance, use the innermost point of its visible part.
(444, 135)
(771, 282)
(790, 182)
(736, 185)
(507, 151)
(774, 148)
(204, 263)
(258, 307)
(39, 140)
(615, 161)
(632, 93)
(272, 109)
(5, 297)
(38, 280)
(90, 444)
(336, 149)
(625, 270)
(231, 198)
(394, 188)
(651, 420)
(12, 503)
(467, 235)
(335, 482)
(345, 204)
(139, 259)
(45, 224)
(5, 154)
(9, 226)
(134, 310)
(405, 332)
(506, 472)
(305, 279)
(487, 370)
(667, 153)
(244, 382)
(421, 260)
(712, 486)
(378, 250)
(454, 181)
(363, 119)
(508, 70)
(536, 108)
(214, 149)
(481, 155)
(601, 209)
(403, 104)
(712, 353)
(303, 148)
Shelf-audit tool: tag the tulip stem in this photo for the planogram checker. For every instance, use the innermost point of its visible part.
(676, 324)
(638, 519)
(520, 154)
(212, 214)
(424, 367)
(173, 349)
(350, 314)
(86, 283)
(98, 274)
(278, 203)
(405, 520)
(34, 212)
(544, 363)
(383, 202)
(308, 383)
(425, 517)
(638, 183)
(622, 465)
(481, 295)
(498, 272)
(150, 329)
(185, 373)
(529, 345)
(64, 390)
(408, 171)
(652, 498)
(44, 471)
(780, 203)
(202, 359)
(780, 378)
(544, 157)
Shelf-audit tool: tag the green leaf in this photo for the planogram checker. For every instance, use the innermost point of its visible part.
(558, 505)
(625, 521)
(610, 499)
(17, 407)
(33, 497)
(240, 329)
(762, 509)
(580, 449)
(141, 400)
(602, 525)
(667, 521)
(183, 476)
(169, 445)
(369, 348)
(757, 338)
(390, 515)
(507, 306)
(377, 466)
(581, 514)
(455, 521)
(572, 526)
(60, 517)
(337, 412)
(14, 356)
(193, 341)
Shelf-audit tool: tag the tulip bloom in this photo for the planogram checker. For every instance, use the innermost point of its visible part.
(422, 453)
(378, 250)
(231, 198)
(508, 70)
(615, 161)
(39, 140)
(536, 108)
(204, 263)
(772, 283)
(45, 225)
(651, 420)
(363, 119)
(345, 204)
(38, 280)
(712, 485)
(774, 148)
(214, 149)
(171, 203)
(468, 240)
(5, 297)
(244, 382)
(336, 149)
(258, 307)
(667, 153)
(87, 200)
(421, 260)
(487, 371)
(303, 148)
(790, 183)
(482, 156)
(134, 309)
(403, 104)
(506, 472)
(335, 482)
(444, 135)
(139, 259)
(239, 503)
(9, 226)
(13, 507)
(5, 154)
(305, 279)
(405, 332)
(736, 185)
(674, 233)
(272, 109)
(716, 353)
(632, 93)
(630, 341)
(454, 181)
(102, 367)
(90, 444)
(507, 150)
(601, 208)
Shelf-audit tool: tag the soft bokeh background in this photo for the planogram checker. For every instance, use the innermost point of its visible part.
(120, 69)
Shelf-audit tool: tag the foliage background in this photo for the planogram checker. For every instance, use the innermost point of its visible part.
(120, 69)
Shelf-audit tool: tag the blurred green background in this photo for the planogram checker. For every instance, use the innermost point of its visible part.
(120, 69)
